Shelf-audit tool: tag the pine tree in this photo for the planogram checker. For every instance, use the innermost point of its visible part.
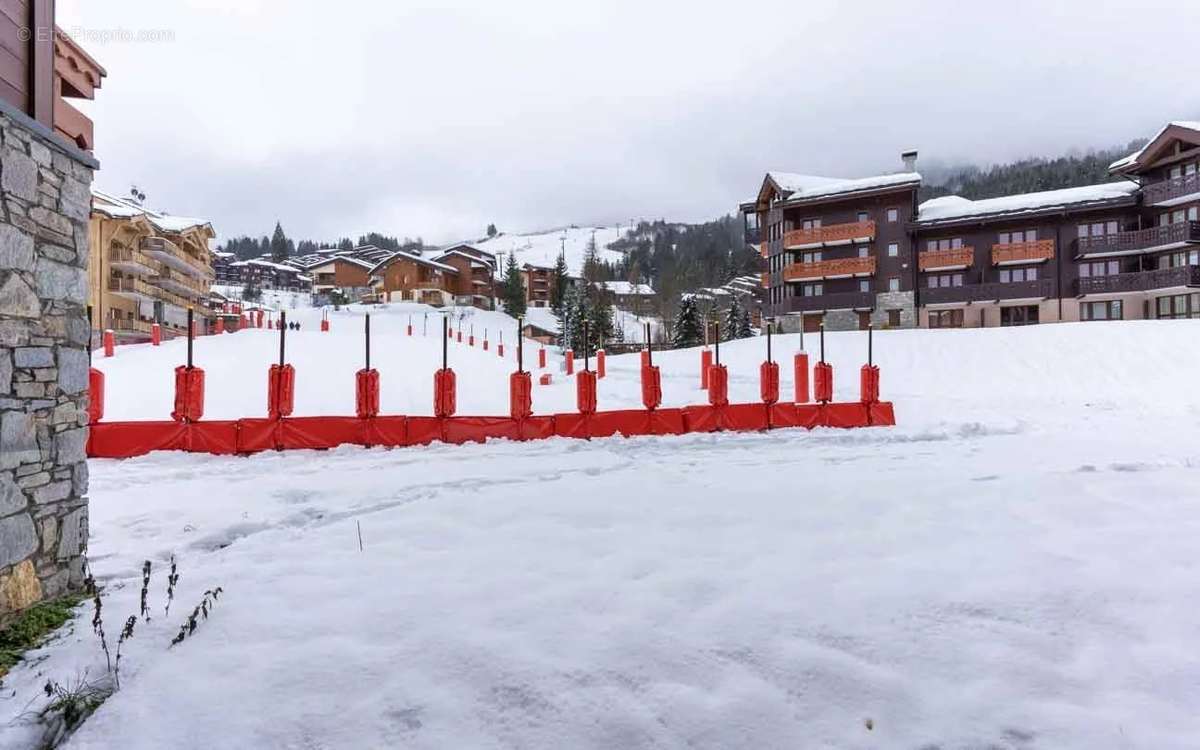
(600, 324)
(513, 294)
(592, 268)
(566, 319)
(688, 330)
(558, 285)
(733, 320)
(492, 231)
(279, 244)
(580, 314)
(744, 329)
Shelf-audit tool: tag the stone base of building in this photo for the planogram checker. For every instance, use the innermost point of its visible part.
(890, 305)
(45, 188)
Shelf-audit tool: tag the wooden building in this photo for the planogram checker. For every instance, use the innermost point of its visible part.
(404, 277)
(537, 284)
(624, 295)
(145, 267)
(474, 282)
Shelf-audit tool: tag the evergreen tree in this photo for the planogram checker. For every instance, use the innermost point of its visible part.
(513, 291)
(279, 244)
(566, 318)
(744, 329)
(600, 322)
(592, 269)
(688, 329)
(733, 320)
(492, 231)
(580, 314)
(558, 285)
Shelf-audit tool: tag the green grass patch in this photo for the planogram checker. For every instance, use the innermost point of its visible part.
(31, 627)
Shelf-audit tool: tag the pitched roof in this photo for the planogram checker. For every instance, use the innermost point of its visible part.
(955, 208)
(120, 208)
(803, 187)
(625, 288)
(401, 255)
(1125, 163)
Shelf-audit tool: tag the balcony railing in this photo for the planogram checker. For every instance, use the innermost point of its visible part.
(1022, 252)
(932, 260)
(829, 269)
(169, 254)
(1141, 281)
(766, 280)
(124, 259)
(135, 289)
(834, 301)
(1142, 240)
(988, 292)
(834, 234)
(1172, 190)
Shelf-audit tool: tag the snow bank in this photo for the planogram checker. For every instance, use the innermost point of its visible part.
(543, 248)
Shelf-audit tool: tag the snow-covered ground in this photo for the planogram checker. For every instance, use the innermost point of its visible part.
(271, 299)
(1011, 567)
(543, 248)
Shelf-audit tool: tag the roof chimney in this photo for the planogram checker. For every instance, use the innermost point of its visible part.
(910, 160)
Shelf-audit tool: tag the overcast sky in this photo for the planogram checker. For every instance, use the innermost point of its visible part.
(434, 118)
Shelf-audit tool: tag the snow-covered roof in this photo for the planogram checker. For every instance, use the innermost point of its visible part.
(401, 255)
(543, 318)
(799, 187)
(953, 207)
(476, 261)
(1130, 159)
(120, 208)
(267, 264)
(625, 288)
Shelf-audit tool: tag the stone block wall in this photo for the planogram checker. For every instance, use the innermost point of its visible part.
(45, 200)
(905, 302)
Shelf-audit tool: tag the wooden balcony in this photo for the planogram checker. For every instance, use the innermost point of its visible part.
(766, 280)
(834, 234)
(1173, 191)
(169, 254)
(1141, 281)
(989, 292)
(124, 259)
(835, 301)
(830, 269)
(945, 260)
(73, 125)
(1022, 252)
(1141, 241)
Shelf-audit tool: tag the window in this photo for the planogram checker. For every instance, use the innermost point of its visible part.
(1110, 310)
(1176, 260)
(951, 244)
(810, 224)
(863, 216)
(894, 284)
(893, 215)
(864, 285)
(1178, 306)
(811, 257)
(944, 280)
(893, 318)
(893, 249)
(814, 290)
(945, 318)
(1194, 213)
(1025, 315)
(1013, 275)
(1099, 268)
(863, 252)
(1178, 216)
(1016, 238)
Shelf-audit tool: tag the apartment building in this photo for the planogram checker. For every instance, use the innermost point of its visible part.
(145, 267)
(628, 296)
(537, 281)
(405, 277)
(849, 252)
(475, 281)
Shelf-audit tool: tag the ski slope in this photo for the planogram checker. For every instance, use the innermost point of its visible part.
(1013, 566)
(543, 248)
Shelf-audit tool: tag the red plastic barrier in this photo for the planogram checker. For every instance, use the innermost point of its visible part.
(634, 422)
(738, 417)
(409, 328)
(500, 350)
(391, 432)
(520, 395)
(585, 392)
(869, 384)
(215, 438)
(320, 433)
(823, 382)
(569, 359)
(189, 394)
(768, 382)
(257, 435)
(470, 341)
(155, 334)
(479, 429)
(324, 326)
(545, 379)
(449, 333)
(271, 325)
(572, 426)
(718, 385)
(541, 359)
(425, 430)
(645, 358)
(110, 343)
(845, 415)
(706, 360)
(220, 325)
(881, 414)
(260, 318)
(366, 393)
(485, 345)
(445, 393)
(801, 372)
(95, 396)
(651, 387)
(130, 439)
(784, 416)
(601, 369)
(281, 391)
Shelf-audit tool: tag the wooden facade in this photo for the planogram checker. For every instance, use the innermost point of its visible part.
(404, 277)
(41, 68)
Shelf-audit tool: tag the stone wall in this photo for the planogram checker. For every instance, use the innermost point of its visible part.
(905, 302)
(45, 200)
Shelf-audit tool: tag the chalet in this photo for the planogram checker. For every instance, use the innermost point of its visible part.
(403, 276)
(349, 274)
(145, 267)
(634, 298)
(474, 282)
(267, 274)
(536, 280)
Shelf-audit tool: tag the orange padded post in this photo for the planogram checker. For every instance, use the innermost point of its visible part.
(110, 343)
(585, 392)
(189, 394)
(718, 385)
(520, 395)
(706, 361)
(155, 334)
(366, 393)
(95, 395)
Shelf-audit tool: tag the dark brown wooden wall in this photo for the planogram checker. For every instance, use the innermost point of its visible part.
(27, 57)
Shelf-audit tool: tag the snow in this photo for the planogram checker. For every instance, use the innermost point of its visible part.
(1131, 158)
(955, 207)
(119, 208)
(803, 187)
(1011, 567)
(626, 288)
(272, 299)
(543, 248)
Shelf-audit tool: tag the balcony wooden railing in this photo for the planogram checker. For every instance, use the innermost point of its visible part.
(958, 257)
(834, 301)
(989, 292)
(1023, 252)
(168, 253)
(1141, 281)
(1157, 193)
(763, 249)
(124, 259)
(1142, 240)
(832, 234)
(829, 269)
